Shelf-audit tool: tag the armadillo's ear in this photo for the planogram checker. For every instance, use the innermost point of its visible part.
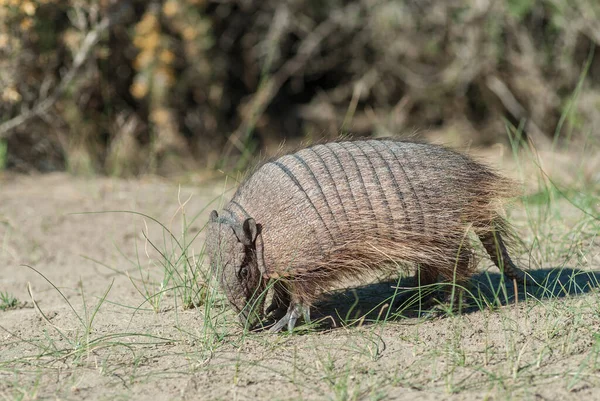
(250, 231)
(213, 216)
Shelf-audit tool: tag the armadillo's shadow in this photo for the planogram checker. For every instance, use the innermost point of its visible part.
(371, 303)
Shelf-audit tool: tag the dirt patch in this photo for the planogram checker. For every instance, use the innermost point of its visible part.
(545, 346)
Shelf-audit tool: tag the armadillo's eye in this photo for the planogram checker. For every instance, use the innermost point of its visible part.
(243, 272)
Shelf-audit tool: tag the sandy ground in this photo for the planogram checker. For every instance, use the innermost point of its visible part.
(543, 350)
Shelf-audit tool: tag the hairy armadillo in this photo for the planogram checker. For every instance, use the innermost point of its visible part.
(347, 208)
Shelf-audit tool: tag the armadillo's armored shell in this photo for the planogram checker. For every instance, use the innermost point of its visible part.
(339, 208)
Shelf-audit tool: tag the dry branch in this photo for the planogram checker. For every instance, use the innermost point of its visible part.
(516, 110)
(267, 91)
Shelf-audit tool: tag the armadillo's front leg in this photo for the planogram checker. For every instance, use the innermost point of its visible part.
(281, 301)
(295, 310)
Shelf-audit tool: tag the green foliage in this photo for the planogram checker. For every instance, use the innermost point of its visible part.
(520, 8)
(7, 301)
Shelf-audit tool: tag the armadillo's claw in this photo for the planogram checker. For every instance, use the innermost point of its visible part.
(290, 318)
(280, 324)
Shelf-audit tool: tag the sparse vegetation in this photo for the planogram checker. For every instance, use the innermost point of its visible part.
(7, 301)
(509, 346)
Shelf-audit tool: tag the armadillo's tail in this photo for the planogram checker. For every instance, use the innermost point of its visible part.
(494, 245)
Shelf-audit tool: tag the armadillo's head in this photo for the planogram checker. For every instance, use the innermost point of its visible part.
(231, 246)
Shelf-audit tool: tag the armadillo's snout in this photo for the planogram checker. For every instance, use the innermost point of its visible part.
(249, 318)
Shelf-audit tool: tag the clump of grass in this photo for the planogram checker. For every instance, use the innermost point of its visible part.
(79, 343)
(7, 301)
(180, 267)
(169, 272)
(169, 267)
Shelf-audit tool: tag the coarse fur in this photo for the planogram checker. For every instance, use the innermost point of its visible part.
(351, 208)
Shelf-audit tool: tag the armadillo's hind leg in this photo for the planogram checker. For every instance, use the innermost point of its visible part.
(494, 245)
(295, 311)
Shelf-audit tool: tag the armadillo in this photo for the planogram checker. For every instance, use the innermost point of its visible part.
(346, 209)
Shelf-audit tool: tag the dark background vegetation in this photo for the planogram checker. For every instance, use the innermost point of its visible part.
(134, 86)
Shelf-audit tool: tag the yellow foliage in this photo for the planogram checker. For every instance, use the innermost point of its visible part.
(18, 3)
(154, 59)
(148, 41)
(148, 24)
(72, 38)
(26, 23)
(189, 33)
(11, 95)
(160, 116)
(143, 60)
(139, 88)
(28, 8)
(166, 56)
(170, 8)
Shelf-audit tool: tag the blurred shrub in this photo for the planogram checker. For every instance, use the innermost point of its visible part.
(172, 84)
